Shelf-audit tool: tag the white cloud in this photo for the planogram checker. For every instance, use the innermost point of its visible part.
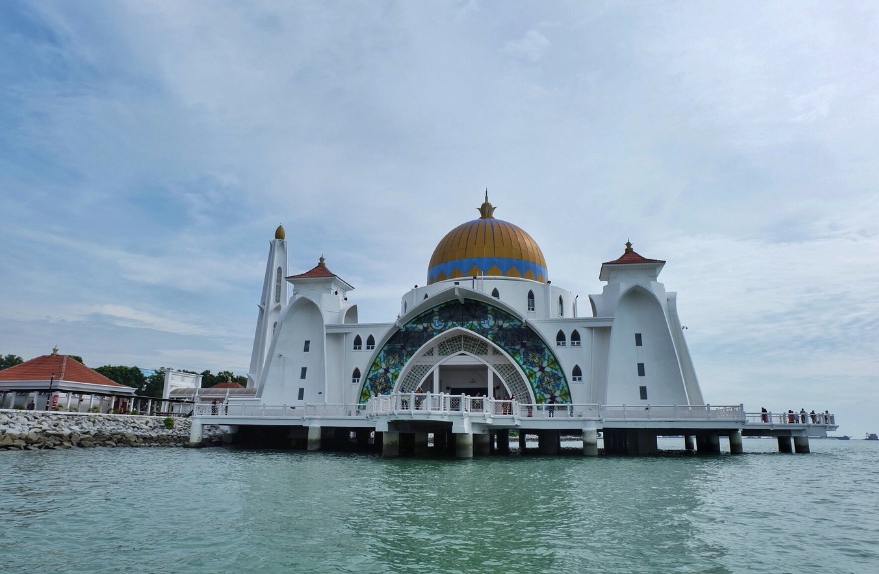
(531, 47)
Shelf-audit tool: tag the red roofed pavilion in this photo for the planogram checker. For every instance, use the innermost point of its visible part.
(54, 376)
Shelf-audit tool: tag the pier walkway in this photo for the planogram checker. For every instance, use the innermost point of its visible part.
(483, 424)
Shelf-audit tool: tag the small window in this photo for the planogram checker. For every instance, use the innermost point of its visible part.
(303, 372)
(643, 391)
(637, 339)
(275, 326)
(370, 343)
(355, 377)
(561, 306)
(575, 338)
(560, 339)
(306, 346)
(577, 374)
(425, 295)
(530, 300)
(640, 369)
(405, 307)
(278, 277)
(358, 343)
(301, 393)
(495, 293)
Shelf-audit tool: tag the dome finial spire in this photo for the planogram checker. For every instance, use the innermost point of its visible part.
(486, 210)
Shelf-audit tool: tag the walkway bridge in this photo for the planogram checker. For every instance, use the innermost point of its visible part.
(486, 423)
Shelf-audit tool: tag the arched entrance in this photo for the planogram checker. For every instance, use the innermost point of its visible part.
(461, 362)
(530, 356)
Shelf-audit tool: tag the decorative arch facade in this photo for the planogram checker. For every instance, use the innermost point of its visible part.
(520, 342)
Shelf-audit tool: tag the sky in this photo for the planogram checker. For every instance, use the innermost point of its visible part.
(149, 149)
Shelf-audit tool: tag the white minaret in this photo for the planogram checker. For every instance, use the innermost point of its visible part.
(274, 299)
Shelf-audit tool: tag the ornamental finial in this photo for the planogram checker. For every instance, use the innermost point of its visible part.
(486, 210)
(628, 246)
(320, 262)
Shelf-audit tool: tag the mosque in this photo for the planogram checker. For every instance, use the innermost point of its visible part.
(487, 345)
(488, 322)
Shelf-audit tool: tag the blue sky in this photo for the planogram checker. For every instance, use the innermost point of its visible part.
(149, 149)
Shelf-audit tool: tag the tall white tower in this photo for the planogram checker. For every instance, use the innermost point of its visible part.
(274, 299)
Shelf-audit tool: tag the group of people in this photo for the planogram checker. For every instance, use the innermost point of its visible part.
(802, 417)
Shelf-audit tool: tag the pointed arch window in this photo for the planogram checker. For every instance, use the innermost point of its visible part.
(425, 295)
(561, 306)
(530, 300)
(577, 374)
(575, 338)
(358, 343)
(370, 343)
(278, 277)
(560, 339)
(355, 376)
(495, 293)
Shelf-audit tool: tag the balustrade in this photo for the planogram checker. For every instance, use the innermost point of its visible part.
(417, 405)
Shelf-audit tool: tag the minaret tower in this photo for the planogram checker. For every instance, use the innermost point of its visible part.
(274, 299)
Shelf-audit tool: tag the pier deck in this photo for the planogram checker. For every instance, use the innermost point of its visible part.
(630, 429)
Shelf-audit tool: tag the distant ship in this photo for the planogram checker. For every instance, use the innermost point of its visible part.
(843, 437)
(871, 436)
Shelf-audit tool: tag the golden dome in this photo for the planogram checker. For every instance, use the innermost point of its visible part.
(280, 233)
(487, 246)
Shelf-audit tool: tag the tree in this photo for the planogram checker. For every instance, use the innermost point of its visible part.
(128, 376)
(155, 385)
(77, 357)
(9, 361)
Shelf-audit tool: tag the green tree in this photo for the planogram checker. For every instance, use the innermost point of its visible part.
(128, 376)
(77, 357)
(155, 385)
(9, 361)
(208, 380)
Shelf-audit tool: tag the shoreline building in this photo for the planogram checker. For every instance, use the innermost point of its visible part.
(60, 381)
(486, 346)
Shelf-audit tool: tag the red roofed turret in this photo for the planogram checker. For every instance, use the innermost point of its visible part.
(630, 259)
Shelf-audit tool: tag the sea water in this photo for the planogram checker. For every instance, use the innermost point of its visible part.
(220, 510)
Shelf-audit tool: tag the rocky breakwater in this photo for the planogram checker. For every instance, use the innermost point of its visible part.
(32, 430)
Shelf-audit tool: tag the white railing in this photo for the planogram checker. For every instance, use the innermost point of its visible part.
(791, 418)
(427, 405)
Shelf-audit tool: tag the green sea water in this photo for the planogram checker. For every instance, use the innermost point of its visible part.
(220, 510)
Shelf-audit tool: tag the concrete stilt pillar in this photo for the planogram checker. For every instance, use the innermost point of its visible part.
(420, 446)
(590, 442)
(390, 444)
(701, 443)
(523, 442)
(361, 439)
(377, 439)
(784, 444)
(196, 433)
(548, 442)
(712, 442)
(440, 441)
(481, 444)
(464, 445)
(690, 442)
(735, 442)
(801, 444)
(503, 441)
(314, 435)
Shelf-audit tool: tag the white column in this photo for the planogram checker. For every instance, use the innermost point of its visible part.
(91, 401)
(590, 442)
(464, 445)
(195, 432)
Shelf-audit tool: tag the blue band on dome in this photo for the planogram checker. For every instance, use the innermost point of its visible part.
(484, 264)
